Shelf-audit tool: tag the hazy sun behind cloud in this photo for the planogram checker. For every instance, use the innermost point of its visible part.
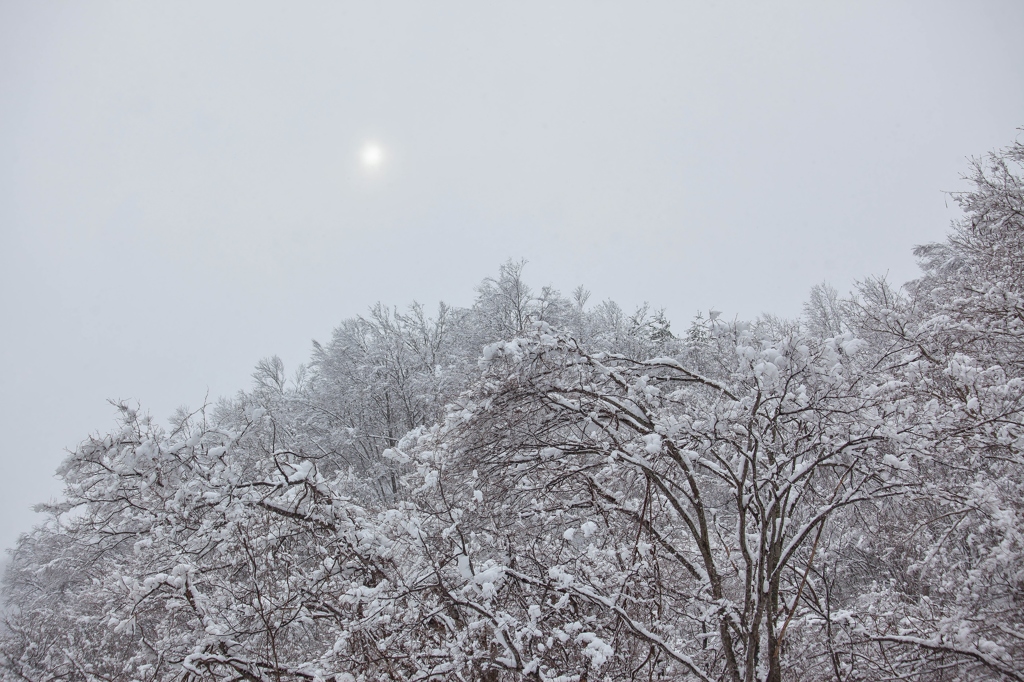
(372, 156)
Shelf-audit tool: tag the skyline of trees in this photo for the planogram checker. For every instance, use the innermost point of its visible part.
(532, 488)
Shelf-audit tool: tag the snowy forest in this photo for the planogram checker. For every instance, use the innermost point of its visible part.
(538, 487)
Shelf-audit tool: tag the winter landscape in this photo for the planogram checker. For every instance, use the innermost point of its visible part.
(540, 484)
(535, 488)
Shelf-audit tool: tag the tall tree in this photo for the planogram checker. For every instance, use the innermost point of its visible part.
(955, 599)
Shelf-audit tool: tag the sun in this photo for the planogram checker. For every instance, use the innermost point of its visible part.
(372, 156)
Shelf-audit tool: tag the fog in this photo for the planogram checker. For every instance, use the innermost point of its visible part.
(185, 188)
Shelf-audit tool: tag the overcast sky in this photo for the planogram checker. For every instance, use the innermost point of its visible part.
(183, 188)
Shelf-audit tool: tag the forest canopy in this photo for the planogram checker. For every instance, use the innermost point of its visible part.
(538, 488)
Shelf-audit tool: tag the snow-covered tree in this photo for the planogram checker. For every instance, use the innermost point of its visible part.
(533, 489)
(954, 599)
(644, 517)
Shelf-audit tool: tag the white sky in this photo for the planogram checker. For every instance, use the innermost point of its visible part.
(181, 190)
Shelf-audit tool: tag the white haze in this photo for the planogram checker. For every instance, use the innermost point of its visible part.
(182, 192)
